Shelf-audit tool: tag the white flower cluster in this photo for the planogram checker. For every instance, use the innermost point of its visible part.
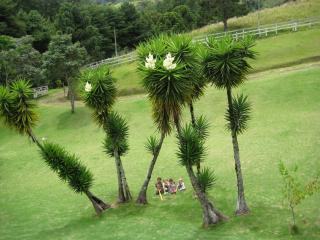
(88, 87)
(150, 62)
(168, 62)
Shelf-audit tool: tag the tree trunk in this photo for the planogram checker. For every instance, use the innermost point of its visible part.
(242, 207)
(225, 24)
(193, 122)
(71, 93)
(142, 198)
(97, 203)
(210, 215)
(121, 197)
(124, 194)
(124, 182)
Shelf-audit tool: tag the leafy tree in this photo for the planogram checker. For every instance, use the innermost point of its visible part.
(10, 24)
(63, 61)
(226, 66)
(206, 179)
(100, 95)
(171, 22)
(39, 28)
(18, 112)
(21, 61)
(294, 192)
(229, 8)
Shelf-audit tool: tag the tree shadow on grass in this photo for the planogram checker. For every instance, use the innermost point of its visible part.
(67, 120)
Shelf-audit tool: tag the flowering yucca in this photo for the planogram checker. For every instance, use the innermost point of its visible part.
(168, 62)
(88, 87)
(150, 62)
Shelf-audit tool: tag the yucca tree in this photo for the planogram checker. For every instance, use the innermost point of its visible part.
(166, 95)
(100, 95)
(18, 112)
(226, 66)
(191, 151)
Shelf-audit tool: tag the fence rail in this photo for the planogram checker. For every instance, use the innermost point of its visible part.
(40, 91)
(262, 31)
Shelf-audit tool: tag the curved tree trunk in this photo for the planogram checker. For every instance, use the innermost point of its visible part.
(210, 215)
(142, 198)
(241, 207)
(71, 94)
(124, 194)
(97, 203)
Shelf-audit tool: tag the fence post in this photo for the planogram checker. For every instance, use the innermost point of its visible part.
(242, 33)
(266, 32)
(276, 28)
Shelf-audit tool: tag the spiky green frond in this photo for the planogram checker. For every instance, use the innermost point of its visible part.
(238, 116)
(23, 115)
(67, 166)
(162, 115)
(183, 49)
(206, 179)
(157, 46)
(226, 63)
(117, 134)
(191, 149)
(103, 93)
(152, 144)
(5, 106)
(202, 126)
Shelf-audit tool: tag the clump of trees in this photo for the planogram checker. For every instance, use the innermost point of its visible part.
(100, 95)
(294, 192)
(17, 111)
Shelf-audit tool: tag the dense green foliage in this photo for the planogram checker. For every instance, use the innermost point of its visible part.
(68, 167)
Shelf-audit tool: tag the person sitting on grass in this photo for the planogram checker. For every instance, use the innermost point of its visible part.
(159, 186)
(172, 186)
(181, 185)
(166, 186)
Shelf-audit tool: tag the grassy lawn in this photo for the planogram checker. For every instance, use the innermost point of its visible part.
(34, 204)
(283, 50)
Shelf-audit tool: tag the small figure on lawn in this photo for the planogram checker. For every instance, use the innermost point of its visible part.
(181, 185)
(159, 186)
(172, 186)
(166, 186)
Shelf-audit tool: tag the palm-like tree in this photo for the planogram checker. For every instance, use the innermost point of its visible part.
(187, 53)
(18, 112)
(100, 96)
(191, 151)
(226, 66)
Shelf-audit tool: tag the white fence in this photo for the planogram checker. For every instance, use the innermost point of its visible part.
(40, 91)
(262, 31)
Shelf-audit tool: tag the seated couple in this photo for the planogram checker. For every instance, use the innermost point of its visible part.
(169, 186)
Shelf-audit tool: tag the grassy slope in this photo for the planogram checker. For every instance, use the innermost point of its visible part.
(284, 49)
(34, 204)
(293, 10)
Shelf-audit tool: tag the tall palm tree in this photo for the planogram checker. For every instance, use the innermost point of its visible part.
(169, 88)
(226, 65)
(100, 95)
(18, 112)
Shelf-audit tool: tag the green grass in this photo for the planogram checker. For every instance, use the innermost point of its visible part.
(276, 51)
(34, 204)
(298, 9)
